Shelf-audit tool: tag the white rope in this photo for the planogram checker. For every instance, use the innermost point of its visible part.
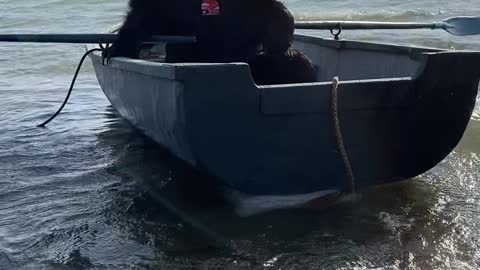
(339, 137)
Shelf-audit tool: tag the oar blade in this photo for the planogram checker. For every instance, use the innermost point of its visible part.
(462, 26)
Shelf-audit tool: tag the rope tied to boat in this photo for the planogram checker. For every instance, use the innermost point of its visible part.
(339, 137)
(71, 86)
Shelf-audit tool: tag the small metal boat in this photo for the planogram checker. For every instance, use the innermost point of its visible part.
(401, 110)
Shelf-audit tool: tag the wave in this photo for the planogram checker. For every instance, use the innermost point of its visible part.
(387, 16)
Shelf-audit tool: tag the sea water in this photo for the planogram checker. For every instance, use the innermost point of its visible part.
(73, 195)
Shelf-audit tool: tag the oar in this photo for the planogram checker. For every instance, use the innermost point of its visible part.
(86, 38)
(459, 26)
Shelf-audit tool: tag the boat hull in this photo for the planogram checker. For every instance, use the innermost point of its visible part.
(401, 113)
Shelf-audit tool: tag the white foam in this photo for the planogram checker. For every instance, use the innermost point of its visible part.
(248, 205)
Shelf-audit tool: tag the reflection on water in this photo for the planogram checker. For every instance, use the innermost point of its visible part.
(91, 192)
(416, 228)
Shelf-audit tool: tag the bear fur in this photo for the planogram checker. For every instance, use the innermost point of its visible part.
(257, 32)
(236, 34)
(283, 68)
(155, 17)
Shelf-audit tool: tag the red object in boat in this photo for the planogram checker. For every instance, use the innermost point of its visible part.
(210, 7)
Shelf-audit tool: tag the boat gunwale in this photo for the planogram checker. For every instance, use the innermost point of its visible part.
(413, 50)
(173, 71)
(170, 71)
(323, 83)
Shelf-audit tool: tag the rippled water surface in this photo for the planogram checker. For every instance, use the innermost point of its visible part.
(72, 195)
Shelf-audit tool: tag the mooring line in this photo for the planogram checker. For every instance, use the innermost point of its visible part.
(71, 87)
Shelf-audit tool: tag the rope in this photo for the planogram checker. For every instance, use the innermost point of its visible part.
(71, 87)
(339, 137)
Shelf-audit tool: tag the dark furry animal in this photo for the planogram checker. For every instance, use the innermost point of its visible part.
(259, 32)
(279, 63)
(278, 36)
(155, 17)
(283, 68)
(250, 26)
(242, 28)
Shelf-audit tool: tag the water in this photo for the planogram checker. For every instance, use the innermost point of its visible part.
(72, 195)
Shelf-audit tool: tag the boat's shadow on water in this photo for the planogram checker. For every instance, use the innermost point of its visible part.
(180, 212)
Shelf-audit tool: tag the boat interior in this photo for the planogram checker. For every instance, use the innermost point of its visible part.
(349, 60)
(355, 60)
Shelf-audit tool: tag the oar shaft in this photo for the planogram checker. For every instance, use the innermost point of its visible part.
(363, 25)
(85, 38)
